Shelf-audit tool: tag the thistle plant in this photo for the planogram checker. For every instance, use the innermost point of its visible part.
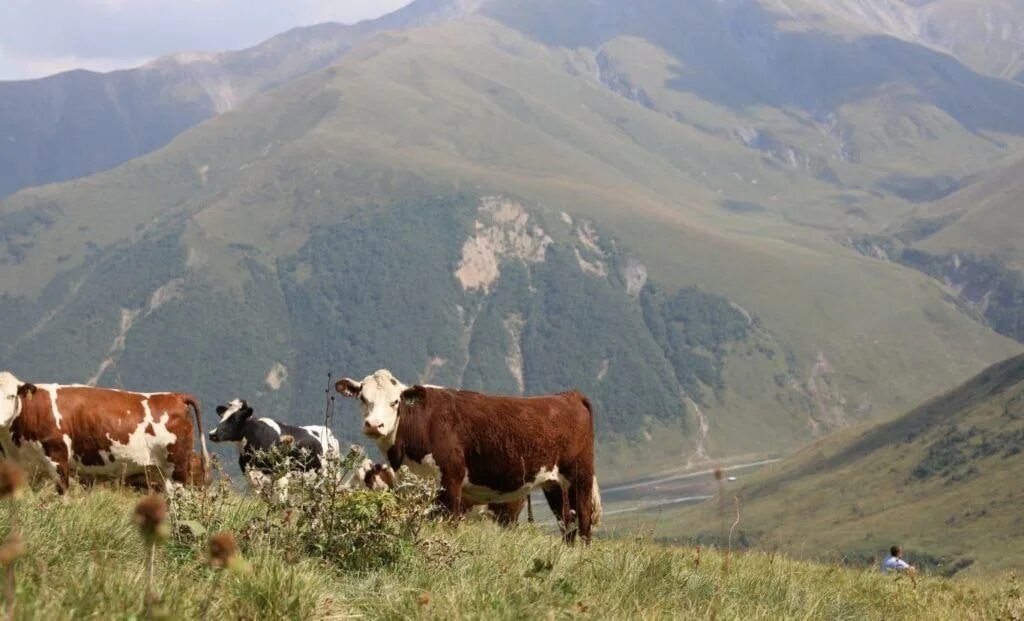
(223, 554)
(12, 481)
(150, 517)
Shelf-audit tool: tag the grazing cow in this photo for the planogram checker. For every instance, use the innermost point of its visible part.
(486, 449)
(306, 447)
(100, 433)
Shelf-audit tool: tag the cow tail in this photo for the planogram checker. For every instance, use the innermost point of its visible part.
(595, 505)
(194, 404)
(596, 510)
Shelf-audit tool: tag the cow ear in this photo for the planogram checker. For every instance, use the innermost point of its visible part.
(221, 409)
(246, 411)
(348, 387)
(411, 397)
(26, 391)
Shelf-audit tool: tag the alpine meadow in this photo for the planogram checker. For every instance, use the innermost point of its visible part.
(779, 239)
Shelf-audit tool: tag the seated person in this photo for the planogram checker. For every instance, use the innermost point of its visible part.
(895, 562)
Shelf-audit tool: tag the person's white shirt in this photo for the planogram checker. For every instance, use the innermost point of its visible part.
(895, 563)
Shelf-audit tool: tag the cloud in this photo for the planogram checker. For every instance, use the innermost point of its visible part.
(38, 37)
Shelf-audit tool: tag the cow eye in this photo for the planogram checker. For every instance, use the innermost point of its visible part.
(394, 404)
(363, 399)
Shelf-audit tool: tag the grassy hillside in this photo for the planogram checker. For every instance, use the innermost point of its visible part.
(982, 219)
(970, 242)
(942, 479)
(84, 559)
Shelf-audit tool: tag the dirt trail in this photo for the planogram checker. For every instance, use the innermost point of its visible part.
(700, 453)
(128, 317)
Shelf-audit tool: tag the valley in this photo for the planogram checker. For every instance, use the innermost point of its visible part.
(941, 479)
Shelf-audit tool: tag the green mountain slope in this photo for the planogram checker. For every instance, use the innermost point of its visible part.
(942, 479)
(970, 241)
(983, 218)
(467, 205)
(80, 122)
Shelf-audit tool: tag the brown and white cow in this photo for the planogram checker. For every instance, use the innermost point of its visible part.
(100, 433)
(486, 449)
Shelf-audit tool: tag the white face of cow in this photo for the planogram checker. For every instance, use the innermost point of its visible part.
(378, 396)
(10, 404)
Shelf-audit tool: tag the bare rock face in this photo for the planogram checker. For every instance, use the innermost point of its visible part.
(503, 230)
(277, 376)
(514, 357)
(635, 274)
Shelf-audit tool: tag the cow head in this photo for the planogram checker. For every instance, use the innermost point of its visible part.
(233, 417)
(379, 395)
(12, 392)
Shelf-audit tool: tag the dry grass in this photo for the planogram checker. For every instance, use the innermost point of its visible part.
(86, 560)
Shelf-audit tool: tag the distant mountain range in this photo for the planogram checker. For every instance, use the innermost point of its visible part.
(987, 36)
(81, 122)
(78, 123)
(682, 208)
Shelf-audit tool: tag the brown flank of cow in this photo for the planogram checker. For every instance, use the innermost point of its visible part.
(502, 443)
(94, 417)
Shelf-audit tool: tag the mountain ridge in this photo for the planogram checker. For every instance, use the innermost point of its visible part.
(80, 122)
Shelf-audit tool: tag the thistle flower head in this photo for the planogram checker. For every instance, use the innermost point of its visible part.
(12, 549)
(224, 553)
(12, 480)
(151, 517)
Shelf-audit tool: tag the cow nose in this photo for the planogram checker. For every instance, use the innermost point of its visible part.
(369, 427)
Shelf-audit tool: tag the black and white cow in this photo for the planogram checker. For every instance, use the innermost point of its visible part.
(307, 447)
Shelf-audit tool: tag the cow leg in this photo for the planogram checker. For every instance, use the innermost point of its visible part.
(580, 496)
(507, 514)
(450, 496)
(558, 502)
(178, 462)
(58, 462)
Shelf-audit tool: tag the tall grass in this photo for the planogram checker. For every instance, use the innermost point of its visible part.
(85, 560)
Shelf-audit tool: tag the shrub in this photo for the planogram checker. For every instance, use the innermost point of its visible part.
(314, 514)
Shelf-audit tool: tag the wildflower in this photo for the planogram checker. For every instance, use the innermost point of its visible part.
(12, 480)
(151, 518)
(12, 549)
(224, 553)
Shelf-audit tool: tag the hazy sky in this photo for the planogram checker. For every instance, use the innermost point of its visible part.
(42, 37)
